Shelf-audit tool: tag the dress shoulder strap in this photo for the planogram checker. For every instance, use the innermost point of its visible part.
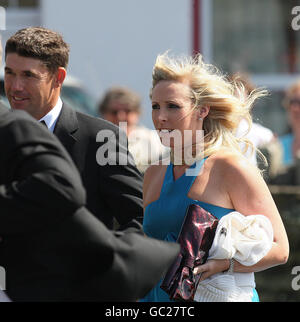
(168, 178)
(193, 172)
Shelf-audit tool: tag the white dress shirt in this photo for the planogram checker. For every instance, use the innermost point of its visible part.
(51, 118)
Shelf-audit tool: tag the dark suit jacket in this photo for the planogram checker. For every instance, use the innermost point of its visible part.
(35, 171)
(52, 248)
(112, 190)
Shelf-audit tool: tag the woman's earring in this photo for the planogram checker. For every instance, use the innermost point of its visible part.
(200, 119)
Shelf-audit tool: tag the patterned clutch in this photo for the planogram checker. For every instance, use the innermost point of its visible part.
(195, 239)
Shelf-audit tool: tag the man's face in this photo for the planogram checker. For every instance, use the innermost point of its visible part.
(118, 112)
(29, 85)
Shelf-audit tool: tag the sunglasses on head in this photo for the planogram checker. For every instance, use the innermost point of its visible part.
(115, 112)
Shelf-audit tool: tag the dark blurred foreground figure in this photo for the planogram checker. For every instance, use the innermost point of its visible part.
(52, 248)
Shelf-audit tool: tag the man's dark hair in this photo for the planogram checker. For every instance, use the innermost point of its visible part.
(40, 43)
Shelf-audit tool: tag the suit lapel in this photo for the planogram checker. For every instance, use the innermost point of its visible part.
(66, 127)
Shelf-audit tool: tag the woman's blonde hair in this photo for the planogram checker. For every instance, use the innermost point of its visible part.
(229, 101)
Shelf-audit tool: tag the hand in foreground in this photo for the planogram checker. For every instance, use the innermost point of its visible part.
(211, 267)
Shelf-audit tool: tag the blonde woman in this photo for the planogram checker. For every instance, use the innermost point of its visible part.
(189, 96)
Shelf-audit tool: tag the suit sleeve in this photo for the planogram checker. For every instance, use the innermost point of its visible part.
(106, 266)
(122, 184)
(39, 185)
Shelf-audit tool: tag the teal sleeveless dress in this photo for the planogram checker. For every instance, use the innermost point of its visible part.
(163, 218)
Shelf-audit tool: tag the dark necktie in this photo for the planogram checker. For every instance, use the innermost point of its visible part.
(44, 123)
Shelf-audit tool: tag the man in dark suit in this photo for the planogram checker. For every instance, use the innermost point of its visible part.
(53, 248)
(36, 61)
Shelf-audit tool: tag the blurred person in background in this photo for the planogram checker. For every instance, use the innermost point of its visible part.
(289, 173)
(36, 60)
(291, 141)
(258, 134)
(266, 146)
(122, 107)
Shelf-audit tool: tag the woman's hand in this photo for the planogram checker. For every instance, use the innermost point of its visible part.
(211, 267)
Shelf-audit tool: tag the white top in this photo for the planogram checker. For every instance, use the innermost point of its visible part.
(247, 239)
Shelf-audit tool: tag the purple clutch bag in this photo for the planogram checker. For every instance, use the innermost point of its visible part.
(195, 239)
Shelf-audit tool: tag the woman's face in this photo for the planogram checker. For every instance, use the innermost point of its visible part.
(173, 114)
